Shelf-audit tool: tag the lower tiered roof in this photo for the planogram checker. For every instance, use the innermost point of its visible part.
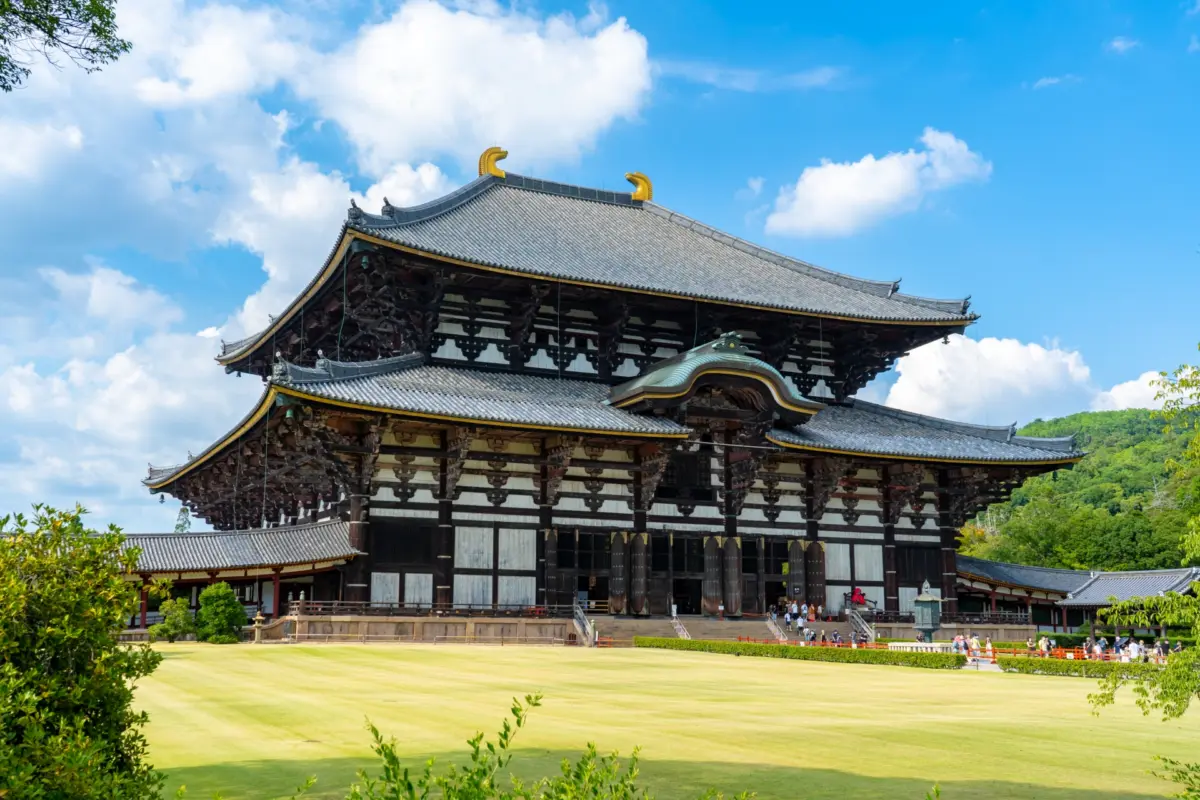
(310, 545)
(865, 428)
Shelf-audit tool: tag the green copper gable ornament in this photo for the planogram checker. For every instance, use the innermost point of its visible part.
(927, 613)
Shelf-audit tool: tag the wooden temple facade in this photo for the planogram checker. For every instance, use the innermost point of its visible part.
(528, 393)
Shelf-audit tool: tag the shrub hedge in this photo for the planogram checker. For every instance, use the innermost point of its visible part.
(841, 654)
(1077, 668)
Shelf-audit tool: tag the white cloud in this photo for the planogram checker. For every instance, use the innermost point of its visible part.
(27, 147)
(1000, 381)
(1137, 393)
(1195, 9)
(223, 50)
(839, 198)
(1194, 44)
(1055, 80)
(100, 373)
(740, 79)
(291, 217)
(112, 297)
(751, 190)
(432, 80)
(1122, 44)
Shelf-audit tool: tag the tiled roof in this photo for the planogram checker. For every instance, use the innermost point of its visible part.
(726, 353)
(273, 547)
(1126, 585)
(556, 230)
(860, 427)
(404, 384)
(1045, 578)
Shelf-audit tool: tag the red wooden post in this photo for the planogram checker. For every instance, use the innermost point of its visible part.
(145, 603)
(275, 595)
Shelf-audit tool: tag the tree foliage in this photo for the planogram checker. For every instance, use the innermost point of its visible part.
(177, 620)
(221, 615)
(83, 31)
(1171, 690)
(67, 725)
(1127, 505)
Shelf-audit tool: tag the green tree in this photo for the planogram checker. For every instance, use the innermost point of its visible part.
(221, 615)
(183, 522)
(177, 620)
(83, 31)
(67, 723)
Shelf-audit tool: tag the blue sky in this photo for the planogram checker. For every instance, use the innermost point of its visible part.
(1039, 157)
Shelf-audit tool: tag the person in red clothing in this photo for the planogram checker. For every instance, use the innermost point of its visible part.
(857, 597)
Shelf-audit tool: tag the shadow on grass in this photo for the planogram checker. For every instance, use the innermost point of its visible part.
(666, 780)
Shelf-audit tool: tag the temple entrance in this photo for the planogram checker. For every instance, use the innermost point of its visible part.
(687, 593)
(592, 591)
(776, 594)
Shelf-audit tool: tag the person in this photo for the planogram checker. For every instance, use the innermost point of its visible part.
(820, 612)
(857, 597)
(1178, 648)
(974, 642)
(1029, 644)
(804, 611)
(812, 635)
(987, 646)
(824, 638)
(795, 610)
(787, 621)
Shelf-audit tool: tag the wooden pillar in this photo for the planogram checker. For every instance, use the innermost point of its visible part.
(617, 575)
(358, 587)
(814, 573)
(546, 521)
(496, 565)
(639, 573)
(443, 545)
(145, 600)
(733, 576)
(796, 579)
(993, 601)
(670, 571)
(710, 587)
(891, 583)
(275, 592)
(814, 551)
(949, 536)
(762, 574)
(1029, 609)
(548, 567)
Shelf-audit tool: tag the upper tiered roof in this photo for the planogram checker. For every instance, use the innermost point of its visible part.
(508, 223)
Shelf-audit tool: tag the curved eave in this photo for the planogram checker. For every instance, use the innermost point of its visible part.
(316, 398)
(1024, 587)
(350, 234)
(784, 401)
(932, 459)
(319, 565)
(274, 392)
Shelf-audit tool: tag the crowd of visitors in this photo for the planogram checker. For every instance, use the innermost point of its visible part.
(1123, 648)
(969, 645)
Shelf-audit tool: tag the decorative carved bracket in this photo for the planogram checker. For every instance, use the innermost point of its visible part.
(826, 474)
(558, 460)
(458, 445)
(904, 487)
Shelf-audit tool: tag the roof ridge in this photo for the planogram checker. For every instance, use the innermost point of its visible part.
(327, 370)
(999, 433)
(1029, 566)
(239, 531)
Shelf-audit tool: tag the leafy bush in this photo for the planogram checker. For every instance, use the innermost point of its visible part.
(177, 621)
(1075, 668)
(842, 654)
(220, 614)
(67, 723)
(1186, 776)
(224, 638)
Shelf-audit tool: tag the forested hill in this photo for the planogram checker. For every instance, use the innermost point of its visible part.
(1122, 507)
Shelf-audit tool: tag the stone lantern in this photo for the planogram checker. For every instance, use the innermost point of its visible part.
(927, 613)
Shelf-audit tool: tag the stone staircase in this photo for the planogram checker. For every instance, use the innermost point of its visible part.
(621, 630)
(843, 627)
(726, 629)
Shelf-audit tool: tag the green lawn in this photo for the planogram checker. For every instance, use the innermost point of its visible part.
(254, 721)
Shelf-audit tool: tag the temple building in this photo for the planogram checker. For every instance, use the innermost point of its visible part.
(527, 393)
